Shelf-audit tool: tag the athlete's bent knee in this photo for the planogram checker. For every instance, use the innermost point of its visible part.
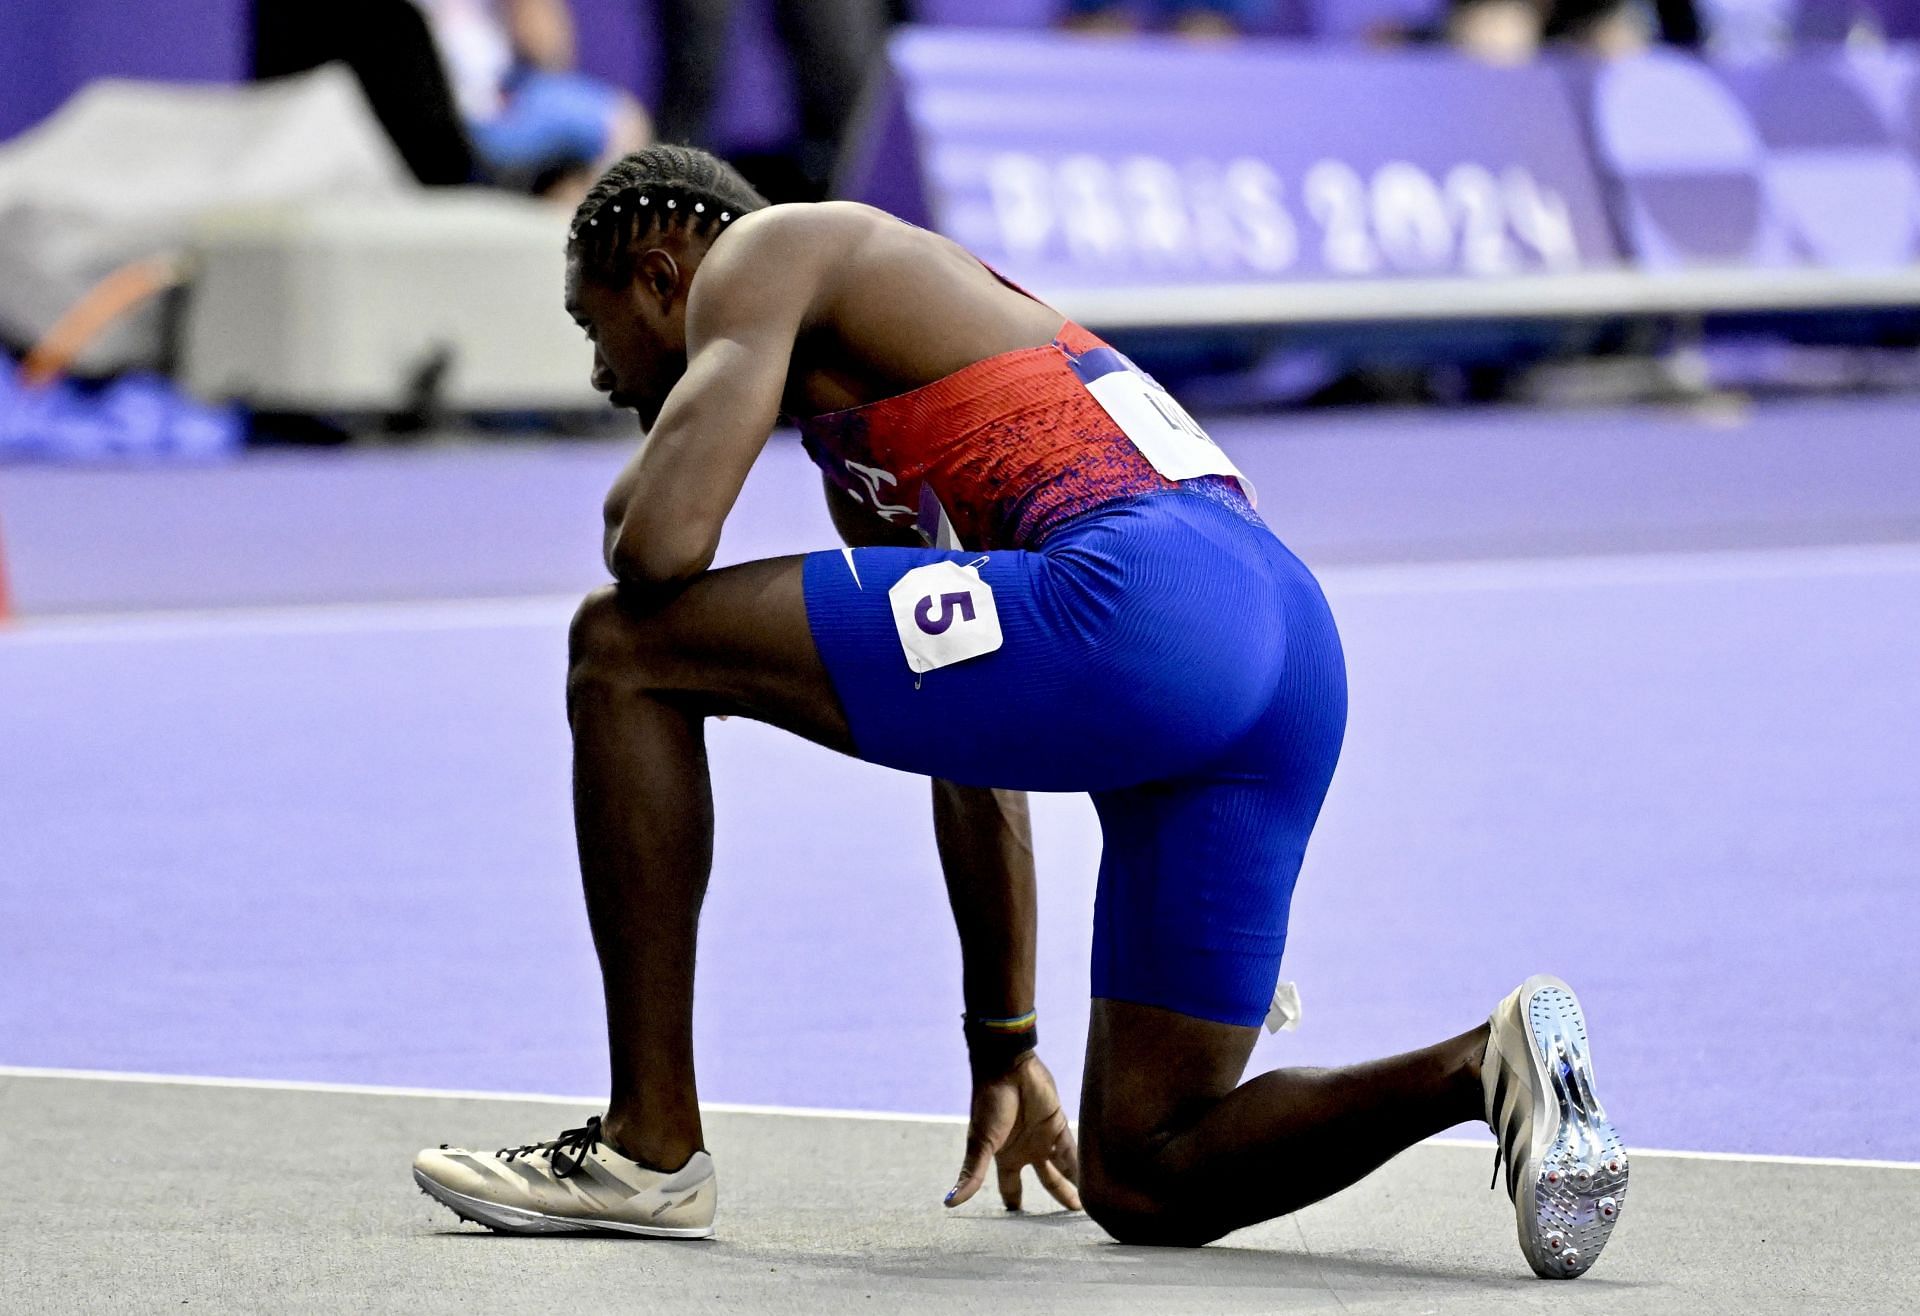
(1132, 1215)
(598, 626)
(606, 648)
(1152, 1227)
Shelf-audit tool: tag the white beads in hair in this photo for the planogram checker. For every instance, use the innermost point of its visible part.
(641, 201)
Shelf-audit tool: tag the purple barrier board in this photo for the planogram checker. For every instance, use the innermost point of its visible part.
(50, 50)
(1068, 162)
(1809, 160)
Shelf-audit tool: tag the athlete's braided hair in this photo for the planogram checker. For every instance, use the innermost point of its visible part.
(652, 188)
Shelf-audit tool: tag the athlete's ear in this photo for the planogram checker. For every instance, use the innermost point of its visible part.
(657, 278)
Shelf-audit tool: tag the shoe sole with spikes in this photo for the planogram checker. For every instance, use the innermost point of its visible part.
(1569, 1182)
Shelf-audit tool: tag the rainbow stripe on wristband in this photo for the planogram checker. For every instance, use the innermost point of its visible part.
(995, 1046)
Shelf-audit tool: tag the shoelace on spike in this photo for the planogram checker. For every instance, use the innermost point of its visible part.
(567, 1153)
(1502, 1136)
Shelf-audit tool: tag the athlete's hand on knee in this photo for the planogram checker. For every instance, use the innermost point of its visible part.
(1017, 1122)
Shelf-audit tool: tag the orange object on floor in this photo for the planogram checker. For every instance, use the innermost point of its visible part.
(98, 308)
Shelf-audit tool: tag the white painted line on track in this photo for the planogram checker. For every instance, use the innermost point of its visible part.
(1670, 1154)
(540, 611)
(802, 1112)
(1626, 569)
(537, 611)
(451, 1094)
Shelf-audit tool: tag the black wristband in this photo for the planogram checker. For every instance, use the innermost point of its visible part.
(993, 1052)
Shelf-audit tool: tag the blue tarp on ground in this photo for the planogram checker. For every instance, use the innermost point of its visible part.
(137, 416)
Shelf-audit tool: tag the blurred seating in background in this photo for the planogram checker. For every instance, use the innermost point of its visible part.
(1203, 20)
(1314, 200)
(101, 209)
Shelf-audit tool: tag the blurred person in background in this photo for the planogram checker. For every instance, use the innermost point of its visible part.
(469, 91)
(830, 46)
(1507, 33)
(1604, 29)
(534, 121)
(1499, 32)
(1200, 19)
(390, 50)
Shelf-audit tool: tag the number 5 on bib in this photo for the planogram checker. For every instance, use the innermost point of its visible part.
(945, 615)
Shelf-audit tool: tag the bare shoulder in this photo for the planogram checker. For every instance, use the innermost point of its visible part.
(782, 243)
(816, 246)
(875, 284)
(814, 223)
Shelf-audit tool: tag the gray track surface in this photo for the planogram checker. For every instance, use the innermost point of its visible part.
(149, 1197)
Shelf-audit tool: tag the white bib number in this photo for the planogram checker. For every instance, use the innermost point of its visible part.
(945, 615)
(1170, 439)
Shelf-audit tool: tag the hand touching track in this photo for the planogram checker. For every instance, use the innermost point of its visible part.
(1017, 1122)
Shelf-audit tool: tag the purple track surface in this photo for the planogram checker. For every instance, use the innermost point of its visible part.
(1360, 487)
(333, 843)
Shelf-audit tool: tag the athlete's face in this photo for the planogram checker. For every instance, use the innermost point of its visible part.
(638, 331)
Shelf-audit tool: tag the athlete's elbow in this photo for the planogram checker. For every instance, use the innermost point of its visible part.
(662, 561)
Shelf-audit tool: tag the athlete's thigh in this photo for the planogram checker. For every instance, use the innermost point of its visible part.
(812, 644)
(733, 642)
(1190, 921)
(1196, 880)
(1014, 698)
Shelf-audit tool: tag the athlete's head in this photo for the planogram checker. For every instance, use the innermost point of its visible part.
(632, 251)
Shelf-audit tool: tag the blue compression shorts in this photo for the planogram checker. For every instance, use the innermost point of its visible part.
(1164, 653)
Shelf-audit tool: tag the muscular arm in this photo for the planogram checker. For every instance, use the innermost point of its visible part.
(985, 843)
(986, 853)
(664, 514)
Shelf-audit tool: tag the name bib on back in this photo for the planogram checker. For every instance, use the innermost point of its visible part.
(1172, 441)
